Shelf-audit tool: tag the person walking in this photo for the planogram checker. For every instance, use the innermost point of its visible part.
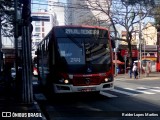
(135, 71)
(130, 70)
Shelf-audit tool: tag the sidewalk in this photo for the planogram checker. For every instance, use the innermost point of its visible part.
(152, 76)
(11, 109)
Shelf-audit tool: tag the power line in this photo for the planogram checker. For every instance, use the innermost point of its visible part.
(82, 8)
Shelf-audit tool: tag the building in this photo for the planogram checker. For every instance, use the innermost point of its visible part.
(42, 23)
(7, 53)
(148, 44)
(149, 34)
(8, 50)
(58, 8)
(80, 13)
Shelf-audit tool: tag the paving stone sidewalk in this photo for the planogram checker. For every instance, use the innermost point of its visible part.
(12, 109)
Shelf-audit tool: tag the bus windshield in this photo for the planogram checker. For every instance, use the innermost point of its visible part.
(88, 54)
(80, 51)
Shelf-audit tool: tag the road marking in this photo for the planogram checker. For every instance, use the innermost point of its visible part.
(107, 94)
(141, 91)
(123, 92)
(155, 89)
(138, 90)
(143, 88)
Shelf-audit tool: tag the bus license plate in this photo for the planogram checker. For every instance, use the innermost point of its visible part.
(87, 89)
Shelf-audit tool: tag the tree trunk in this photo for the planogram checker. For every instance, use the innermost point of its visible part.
(130, 51)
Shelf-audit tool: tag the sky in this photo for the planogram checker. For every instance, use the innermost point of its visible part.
(41, 4)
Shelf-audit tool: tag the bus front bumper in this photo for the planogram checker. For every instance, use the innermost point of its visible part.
(59, 88)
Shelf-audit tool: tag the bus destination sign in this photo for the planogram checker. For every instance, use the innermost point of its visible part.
(81, 31)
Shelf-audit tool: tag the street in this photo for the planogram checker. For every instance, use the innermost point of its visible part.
(130, 99)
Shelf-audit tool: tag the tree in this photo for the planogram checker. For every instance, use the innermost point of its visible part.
(133, 2)
(7, 14)
(156, 14)
(4, 12)
(122, 14)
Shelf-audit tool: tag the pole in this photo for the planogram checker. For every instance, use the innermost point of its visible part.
(27, 94)
(140, 43)
(0, 44)
(125, 58)
(115, 56)
(16, 36)
(145, 72)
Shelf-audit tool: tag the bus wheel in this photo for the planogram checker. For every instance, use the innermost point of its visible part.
(49, 89)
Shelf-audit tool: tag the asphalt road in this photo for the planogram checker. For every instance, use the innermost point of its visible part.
(130, 100)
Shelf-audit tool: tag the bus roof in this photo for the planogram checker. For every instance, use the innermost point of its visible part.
(81, 26)
(74, 26)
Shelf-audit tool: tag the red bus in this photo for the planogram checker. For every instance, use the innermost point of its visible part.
(76, 59)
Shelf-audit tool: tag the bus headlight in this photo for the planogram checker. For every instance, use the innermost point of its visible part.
(106, 79)
(66, 81)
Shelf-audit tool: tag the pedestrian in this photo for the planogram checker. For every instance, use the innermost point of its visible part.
(135, 71)
(148, 68)
(129, 68)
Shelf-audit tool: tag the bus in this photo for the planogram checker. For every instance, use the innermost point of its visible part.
(73, 59)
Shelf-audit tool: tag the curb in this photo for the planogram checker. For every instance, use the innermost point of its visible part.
(144, 78)
(39, 110)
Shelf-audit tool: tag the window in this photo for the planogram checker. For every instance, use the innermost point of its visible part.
(37, 23)
(37, 29)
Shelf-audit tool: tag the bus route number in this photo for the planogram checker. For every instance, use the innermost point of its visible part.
(75, 60)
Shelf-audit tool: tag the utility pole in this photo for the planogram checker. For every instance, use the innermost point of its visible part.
(140, 41)
(27, 90)
(16, 35)
(115, 57)
(0, 44)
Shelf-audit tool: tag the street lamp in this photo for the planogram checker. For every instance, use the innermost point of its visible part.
(125, 59)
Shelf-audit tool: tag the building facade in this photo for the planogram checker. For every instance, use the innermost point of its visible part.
(42, 23)
(58, 8)
(148, 43)
(81, 13)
